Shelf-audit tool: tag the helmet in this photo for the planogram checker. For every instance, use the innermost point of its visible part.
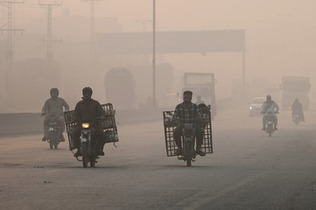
(87, 90)
(268, 97)
(54, 92)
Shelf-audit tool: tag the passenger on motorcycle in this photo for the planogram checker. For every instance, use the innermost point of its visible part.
(188, 112)
(268, 107)
(54, 106)
(297, 108)
(88, 110)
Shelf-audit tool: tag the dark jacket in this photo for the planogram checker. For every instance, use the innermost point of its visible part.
(88, 111)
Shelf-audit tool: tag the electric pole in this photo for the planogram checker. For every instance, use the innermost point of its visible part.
(8, 28)
(154, 53)
(92, 37)
(49, 35)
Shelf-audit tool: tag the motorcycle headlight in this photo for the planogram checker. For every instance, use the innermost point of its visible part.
(85, 125)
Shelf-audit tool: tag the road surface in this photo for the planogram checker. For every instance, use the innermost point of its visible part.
(248, 170)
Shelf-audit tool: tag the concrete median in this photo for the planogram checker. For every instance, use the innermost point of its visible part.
(32, 123)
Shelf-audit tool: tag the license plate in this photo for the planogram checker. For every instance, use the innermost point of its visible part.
(83, 139)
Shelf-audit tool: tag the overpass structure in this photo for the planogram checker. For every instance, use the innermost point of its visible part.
(174, 42)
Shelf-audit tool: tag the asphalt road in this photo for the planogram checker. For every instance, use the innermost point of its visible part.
(248, 170)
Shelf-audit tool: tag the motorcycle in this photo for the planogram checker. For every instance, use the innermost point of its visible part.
(88, 150)
(188, 138)
(269, 120)
(188, 141)
(297, 118)
(88, 146)
(54, 132)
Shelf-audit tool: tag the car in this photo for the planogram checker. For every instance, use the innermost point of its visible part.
(255, 106)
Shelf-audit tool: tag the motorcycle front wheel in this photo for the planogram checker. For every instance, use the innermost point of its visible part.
(85, 156)
(188, 152)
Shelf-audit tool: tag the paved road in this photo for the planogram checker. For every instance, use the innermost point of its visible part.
(248, 170)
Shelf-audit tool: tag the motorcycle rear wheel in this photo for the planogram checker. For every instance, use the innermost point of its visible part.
(92, 162)
(188, 162)
(85, 160)
(270, 130)
(53, 144)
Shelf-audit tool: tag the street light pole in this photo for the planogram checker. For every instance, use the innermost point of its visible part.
(154, 53)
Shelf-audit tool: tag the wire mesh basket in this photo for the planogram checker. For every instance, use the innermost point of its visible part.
(169, 127)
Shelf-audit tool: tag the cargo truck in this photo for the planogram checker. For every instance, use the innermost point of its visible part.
(203, 87)
(295, 87)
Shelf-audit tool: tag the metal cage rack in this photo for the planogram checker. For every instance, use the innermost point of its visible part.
(108, 125)
(169, 127)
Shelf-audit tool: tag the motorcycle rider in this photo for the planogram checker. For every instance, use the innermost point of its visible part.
(54, 106)
(88, 110)
(269, 106)
(297, 107)
(188, 112)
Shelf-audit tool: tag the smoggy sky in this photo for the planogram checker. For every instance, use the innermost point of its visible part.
(188, 14)
(280, 34)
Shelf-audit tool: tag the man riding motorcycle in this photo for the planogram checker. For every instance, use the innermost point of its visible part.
(297, 107)
(267, 108)
(54, 106)
(188, 112)
(88, 110)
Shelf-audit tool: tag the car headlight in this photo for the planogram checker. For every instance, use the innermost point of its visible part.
(250, 108)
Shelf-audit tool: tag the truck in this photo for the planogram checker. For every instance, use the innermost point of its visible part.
(203, 87)
(294, 88)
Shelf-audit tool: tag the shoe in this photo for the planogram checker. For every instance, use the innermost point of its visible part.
(44, 139)
(78, 153)
(200, 152)
(62, 139)
(275, 128)
(263, 128)
(179, 151)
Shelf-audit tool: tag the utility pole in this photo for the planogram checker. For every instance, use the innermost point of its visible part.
(92, 37)
(8, 28)
(49, 36)
(154, 53)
